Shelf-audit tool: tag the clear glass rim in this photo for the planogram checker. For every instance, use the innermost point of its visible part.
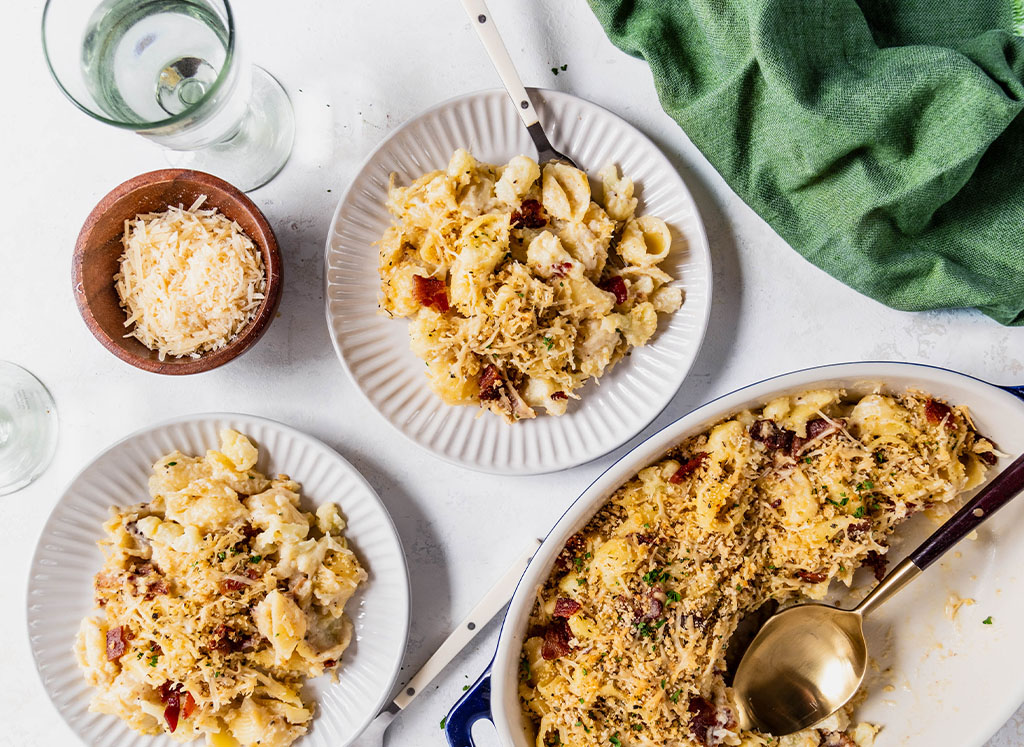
(143, 126)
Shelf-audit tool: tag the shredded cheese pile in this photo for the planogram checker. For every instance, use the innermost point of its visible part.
(189, 280)
(520, 287)
(628, 637)
(218, 598)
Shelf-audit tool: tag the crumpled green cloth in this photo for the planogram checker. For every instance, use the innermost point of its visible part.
(882, 138)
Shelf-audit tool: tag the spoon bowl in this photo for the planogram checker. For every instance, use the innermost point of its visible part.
(802, 666)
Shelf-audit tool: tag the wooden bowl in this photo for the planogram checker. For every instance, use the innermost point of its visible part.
(99, 248)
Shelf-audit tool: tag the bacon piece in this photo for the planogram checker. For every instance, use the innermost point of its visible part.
(561, 269)
(573, 547)
(431, 292)
(190, 706)
(645, 539)
(772, 436)
(143, 569)
(559, 395)
(490, 382)
(154, 589)
(811, 578)
(615, 284)
(688, 467)
(987, 457)
(530, 214)
(230, 584)
(223, 639)
(170, 694)
(171, 713)
(819, 427)
(876, 563)
(253, 574)
(117, 642)
(936, 412)
(565, 607)
(556, 640)
(328, 663)
(703, 719)
(858, 529)
(655, 604)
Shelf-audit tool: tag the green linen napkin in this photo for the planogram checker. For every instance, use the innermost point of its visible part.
(880, 138)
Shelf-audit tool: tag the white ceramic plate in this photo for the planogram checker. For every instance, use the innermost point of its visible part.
(66, 558)
(375, 349)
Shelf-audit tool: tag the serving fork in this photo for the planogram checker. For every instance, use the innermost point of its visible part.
(480, 18)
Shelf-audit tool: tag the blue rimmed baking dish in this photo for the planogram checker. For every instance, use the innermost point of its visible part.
(929, 713)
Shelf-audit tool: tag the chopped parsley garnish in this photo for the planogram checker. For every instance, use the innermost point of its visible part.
(465, 687)
(643, 629)
(153, 659)
(839, 504)
(663, 684)
(578, 562)
(859, 513)
(987, 620)
(548, 342)
(255, 558)
(807, 460)
(221, 555)
(674, 697)
(673, 596)
(865, 485)
(880, 458)
(614, 739)
(171, 464)
(653, 577)
(444, 721)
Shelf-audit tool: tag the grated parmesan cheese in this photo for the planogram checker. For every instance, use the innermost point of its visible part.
(189, 280)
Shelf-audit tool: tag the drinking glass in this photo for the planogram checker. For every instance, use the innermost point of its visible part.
(172, 71)
(28, 427)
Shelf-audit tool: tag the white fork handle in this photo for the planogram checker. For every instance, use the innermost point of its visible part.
(480, 19)
(467, 630)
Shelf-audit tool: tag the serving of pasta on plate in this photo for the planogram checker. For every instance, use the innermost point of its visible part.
(218, 598)
(520, 285)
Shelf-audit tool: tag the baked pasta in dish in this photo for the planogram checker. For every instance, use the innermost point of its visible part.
(218, 598)
(519, 286)
(628, 636)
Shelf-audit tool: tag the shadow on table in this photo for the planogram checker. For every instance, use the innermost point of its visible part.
(428, 570)
(726, 298)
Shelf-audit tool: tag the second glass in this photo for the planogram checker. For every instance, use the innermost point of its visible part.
(172, 70)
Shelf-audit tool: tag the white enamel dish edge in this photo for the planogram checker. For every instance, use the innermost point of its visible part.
(938, 667)
(66, 558)
(375, 349)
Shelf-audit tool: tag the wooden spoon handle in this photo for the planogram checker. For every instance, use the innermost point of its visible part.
(1006, 485)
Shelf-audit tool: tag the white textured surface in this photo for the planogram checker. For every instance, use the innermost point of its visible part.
(375, 348)
(354, 72)
(60, 585)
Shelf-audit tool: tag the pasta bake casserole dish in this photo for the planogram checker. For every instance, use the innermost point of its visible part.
(218, 598)
(628, 636)
(519, 286)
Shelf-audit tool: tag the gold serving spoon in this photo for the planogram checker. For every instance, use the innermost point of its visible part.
(808, 661)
